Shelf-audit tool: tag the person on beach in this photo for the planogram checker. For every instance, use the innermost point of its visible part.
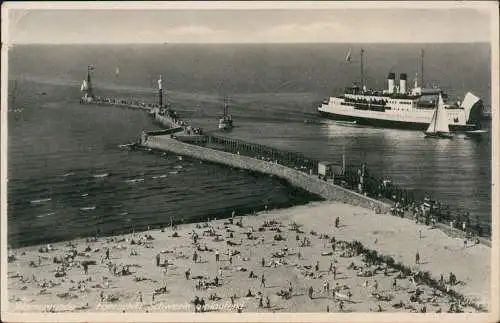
(337, 222)
(330, 269)
(217, 255)
(326, 286)
(39, 261)
(195, 257)
(341, 306)
(334, 272)
(317, 266)
(158, 260)
(263, 262)
(417, 258)
(85, 268)
(263, 281)
(140, 297)
(290, 288)
(188, 273)
(268, 302)
(102, 296)
(107, 254)
(310, 292)
(395, 283)
(465, 243)
(261, 302)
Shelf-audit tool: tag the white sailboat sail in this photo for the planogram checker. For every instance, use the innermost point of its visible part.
(439, 122)
(442, 123)
(84, 86)
(432, 125)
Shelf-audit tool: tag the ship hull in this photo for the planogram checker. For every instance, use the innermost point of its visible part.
(391, 124)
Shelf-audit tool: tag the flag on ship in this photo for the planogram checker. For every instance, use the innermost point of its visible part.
(90, 67)
(348, 56)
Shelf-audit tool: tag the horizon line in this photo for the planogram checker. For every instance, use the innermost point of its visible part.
(249, 43)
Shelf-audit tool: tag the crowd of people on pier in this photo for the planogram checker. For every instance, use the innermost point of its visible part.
(425, 210)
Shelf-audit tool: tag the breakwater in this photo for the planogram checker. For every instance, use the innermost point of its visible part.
(121, 103)
(299, 171)
(295, 177)
(163, 116)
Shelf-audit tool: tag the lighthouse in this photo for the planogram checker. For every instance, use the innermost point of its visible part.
(86, 87)
(160, 91)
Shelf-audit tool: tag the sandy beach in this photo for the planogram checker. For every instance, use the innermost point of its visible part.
(276, 261)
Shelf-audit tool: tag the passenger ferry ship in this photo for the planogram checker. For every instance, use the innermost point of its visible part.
(400, 107)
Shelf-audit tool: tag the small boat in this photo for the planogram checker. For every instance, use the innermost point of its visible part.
(226, 122)
(439, 127)
(346, 123)
(127, 146)
(475, 134)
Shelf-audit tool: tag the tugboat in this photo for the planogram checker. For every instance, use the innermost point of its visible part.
(439, 127)
(226, 122)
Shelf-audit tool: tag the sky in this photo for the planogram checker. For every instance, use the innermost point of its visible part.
(325, 25)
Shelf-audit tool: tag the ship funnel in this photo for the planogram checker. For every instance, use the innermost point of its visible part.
(390, 82)
(402, 83)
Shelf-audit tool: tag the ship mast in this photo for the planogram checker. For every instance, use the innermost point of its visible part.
(362, 71)
(422, 68)
(89, 83)
(14, 93)
(225, 106)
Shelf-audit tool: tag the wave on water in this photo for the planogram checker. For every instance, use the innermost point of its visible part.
(46, 214)
(101, 175)
(85, 194)
(159, 176)
(68, 174)
(178, 167)
(88, 208)
(174, 172)
(137, 180)
(40, 201)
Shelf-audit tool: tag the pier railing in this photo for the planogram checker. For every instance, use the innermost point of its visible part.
(262, 152)
(294, 175)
